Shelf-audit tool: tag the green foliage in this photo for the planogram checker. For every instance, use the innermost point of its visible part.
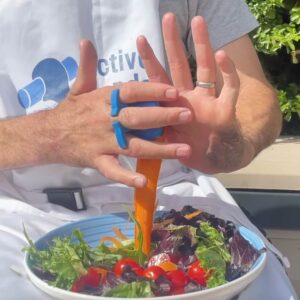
(290, 101)
(279, 25)
(278, 41)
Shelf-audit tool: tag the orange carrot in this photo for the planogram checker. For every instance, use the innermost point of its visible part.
(113, 240)
(119, 234)
(193, 214)
(145, 201)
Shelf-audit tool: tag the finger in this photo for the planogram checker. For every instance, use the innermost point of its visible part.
(110, 167)
(134, 91)
(153, 67)
(86, 77)
(150, 149)
(206, 67)
(231, 82)
(153, 117)
(178, 63)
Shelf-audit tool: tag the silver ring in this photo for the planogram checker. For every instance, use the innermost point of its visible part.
(205, 85)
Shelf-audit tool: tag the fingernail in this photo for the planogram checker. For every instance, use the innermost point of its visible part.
(184, 116)
(139, 181)
(183, 151)
(171, 93)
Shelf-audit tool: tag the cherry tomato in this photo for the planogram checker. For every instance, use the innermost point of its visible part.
(178, 279)
(91, 278)
(197, 273)
(139, 271)
(154, 272)
(78, 285)
(119, 266)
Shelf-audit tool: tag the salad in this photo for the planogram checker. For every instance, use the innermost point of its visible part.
(191, 250)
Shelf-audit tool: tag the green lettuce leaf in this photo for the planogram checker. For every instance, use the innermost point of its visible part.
(217, 278)
(213, 254)
(128, 250)
(131, 290)
(68, 258)
(103, 256)
(211, 237)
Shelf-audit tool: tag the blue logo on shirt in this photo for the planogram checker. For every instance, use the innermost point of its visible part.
(51, 80)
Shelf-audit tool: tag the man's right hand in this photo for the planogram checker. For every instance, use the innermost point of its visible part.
(79, 131)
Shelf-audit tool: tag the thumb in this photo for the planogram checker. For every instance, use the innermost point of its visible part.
(86, 79)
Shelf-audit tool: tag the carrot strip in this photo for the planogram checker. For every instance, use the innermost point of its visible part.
(113, 240)
(145, 201)
(193, 214)
(119, 234)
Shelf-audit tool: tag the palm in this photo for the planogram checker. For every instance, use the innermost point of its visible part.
(212, 114)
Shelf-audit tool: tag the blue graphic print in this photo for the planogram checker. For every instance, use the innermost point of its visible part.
(51, 80)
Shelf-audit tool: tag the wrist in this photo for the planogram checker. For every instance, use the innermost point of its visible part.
(229, 149)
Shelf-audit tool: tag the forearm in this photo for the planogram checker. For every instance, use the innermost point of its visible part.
(259, 114)
(25, 141)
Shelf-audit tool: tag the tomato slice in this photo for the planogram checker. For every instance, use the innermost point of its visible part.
(178, 279)
(124, 262)
(197, 273)
(154, 272)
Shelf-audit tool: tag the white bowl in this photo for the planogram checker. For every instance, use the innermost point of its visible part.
(94, 228)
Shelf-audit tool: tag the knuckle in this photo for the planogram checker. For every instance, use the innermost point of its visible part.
(177, 65)
(127, 118)
(125, 91)
(103, 91)
(135, 148)
(172, 116)
(159, 92)
(106, 172)
(156, 78)
(167, 116)
(128, 91)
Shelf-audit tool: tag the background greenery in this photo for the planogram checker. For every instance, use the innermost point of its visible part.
(278, 43)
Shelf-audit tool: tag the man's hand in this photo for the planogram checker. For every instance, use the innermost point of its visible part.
(217, 136)
(79, 131)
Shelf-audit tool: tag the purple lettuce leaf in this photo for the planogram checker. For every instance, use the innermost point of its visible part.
(243, 256)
